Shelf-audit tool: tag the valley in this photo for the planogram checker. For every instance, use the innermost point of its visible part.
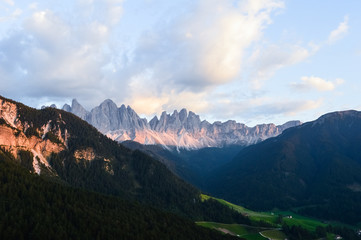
(52, 146)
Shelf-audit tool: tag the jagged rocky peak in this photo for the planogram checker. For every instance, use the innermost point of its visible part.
(134, 121)
(108, 117)
(51, 106)
(193, 122)
(76, 109)
(153, 122)
(67, 107)
(183, 115)
(104, 117)
(176, 121)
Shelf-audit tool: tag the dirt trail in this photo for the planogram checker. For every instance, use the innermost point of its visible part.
(226, 231)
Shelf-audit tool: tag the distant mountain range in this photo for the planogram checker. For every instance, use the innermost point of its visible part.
(181, 129)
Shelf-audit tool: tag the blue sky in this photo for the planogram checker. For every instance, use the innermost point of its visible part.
(255, 61)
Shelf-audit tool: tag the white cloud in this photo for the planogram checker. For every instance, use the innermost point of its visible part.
(339, 32)
(52, 56)
(152, 105)
(10, 2)
(267, 61)
(115, 11)
(205, 49)
(33, 6)
(317, 83)
(257, 109)
(16, 13)
(108, 12)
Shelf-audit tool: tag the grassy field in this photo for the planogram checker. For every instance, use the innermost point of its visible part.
(298, 220)
(256, 216)
(274, 234)
(247, 232)
(272, 217)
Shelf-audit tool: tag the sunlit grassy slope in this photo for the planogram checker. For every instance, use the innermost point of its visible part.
(273, 218)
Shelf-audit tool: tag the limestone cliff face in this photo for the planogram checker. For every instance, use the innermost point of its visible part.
(181, 129)
(14, 137)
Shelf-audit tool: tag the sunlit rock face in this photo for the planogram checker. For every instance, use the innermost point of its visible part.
(181, 129)
(13, 137)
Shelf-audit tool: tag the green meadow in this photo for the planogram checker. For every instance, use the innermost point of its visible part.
(274, 219)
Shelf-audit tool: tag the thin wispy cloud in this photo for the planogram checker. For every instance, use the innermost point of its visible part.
(9, 2)
(340, 31)
(317, 83)
(267, 61)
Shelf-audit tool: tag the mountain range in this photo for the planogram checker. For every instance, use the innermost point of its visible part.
(180, 129)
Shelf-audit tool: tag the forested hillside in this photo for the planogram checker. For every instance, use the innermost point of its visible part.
(31, 207)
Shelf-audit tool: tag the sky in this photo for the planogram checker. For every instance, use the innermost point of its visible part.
(255, 61)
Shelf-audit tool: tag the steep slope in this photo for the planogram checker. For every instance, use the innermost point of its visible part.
(181, 129)
(33, 208)
(60, 145)
(316, 166)
(194, 165)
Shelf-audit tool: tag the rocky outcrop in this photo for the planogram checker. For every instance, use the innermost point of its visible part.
(86, 154)
(14, 138)
(182, 129)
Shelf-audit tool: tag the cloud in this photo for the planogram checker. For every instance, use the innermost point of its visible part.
(258, 108)
(108, 12)
(287, 107)
(151, 105)
(267, 61)
(15, 14)
(339, 32)
(316, 83)
(115, 11)
(205, 49)
(10, 2)
(52, 57)
(33, 6)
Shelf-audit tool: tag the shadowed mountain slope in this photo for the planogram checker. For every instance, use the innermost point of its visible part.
(316, 166)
